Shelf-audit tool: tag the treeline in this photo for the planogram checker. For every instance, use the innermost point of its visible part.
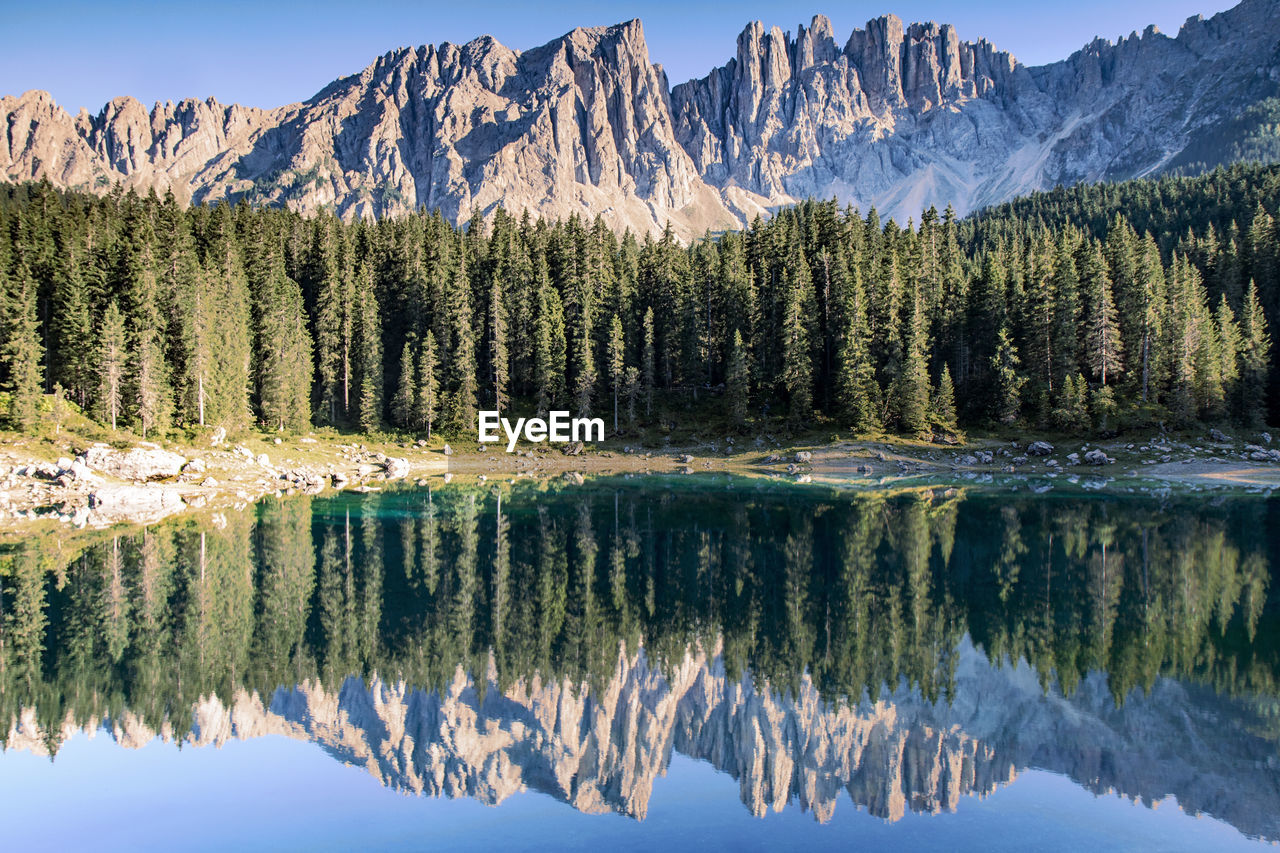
(152, 317)
(860, 594)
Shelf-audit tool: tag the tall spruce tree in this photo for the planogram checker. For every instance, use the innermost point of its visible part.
(368, 353)
(406, 389)
(112, 359)
(548, 341)
(461, 403)
(71, 329)
(1255, 359)
(942, 411)
(648, 369)
(911, 388)
(21, 353)
(499, 364)
(333, 320)
(1104, 347)
(426, 403)
(738, 382)
(857, 394)
(1006, 388)
(617, 355)
(228, 381)
(797, 375)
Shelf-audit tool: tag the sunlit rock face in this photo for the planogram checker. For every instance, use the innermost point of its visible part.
(604, 750)
(897, 116)
(578, 126)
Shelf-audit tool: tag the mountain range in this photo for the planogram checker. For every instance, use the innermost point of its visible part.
(897, 117)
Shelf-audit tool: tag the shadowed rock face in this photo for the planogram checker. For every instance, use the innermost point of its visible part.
(602, 751)
(901, 117)
(904, 117)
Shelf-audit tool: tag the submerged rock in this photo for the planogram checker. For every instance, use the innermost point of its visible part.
(110, 504)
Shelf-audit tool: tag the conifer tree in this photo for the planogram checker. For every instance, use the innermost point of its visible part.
(797, 374)
(283, 349)
(548, 341)
(368, 353)
(1210, 386)
(585, 372)
(199, 330)
(1065, 284)
(1104, 345)
(498, 351)
(1006, 400)
(112, 358)
(631, 384)
(1229, 347)
(72, 330)
(461, 399)
(648, 374)
(738, 381)
(406, 392)
(1255, 358)
(427, 397)
(856, 390)
(1070, 408)
(147, 385)
(1039, 328)
(152, 400)
(1102, 404)
(943, 404)
(911, 389)
(1185, 331)
(617, 363)
(333, 321)
(229, 378)
(1152, 319)
(21, 353)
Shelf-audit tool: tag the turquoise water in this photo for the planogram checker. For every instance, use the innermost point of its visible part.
(649, 663)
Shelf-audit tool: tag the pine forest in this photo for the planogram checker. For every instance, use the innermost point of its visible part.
(1088, 310)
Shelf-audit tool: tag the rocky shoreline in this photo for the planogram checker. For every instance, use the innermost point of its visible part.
(104, 485)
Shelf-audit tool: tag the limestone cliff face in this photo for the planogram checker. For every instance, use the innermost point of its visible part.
(905, 117)
(603, 751)
(580, 125)
(901, 117)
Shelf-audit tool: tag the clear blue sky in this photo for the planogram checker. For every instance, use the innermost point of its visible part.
(266, 53)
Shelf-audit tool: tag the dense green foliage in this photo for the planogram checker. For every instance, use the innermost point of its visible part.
(1094, 308)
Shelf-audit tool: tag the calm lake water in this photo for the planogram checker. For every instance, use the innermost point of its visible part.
(680, 663)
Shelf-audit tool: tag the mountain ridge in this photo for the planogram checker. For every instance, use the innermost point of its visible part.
(901, 117)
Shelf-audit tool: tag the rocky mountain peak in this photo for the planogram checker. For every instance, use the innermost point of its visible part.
(901, 117)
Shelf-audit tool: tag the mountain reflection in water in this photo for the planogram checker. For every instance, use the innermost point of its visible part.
(902, 650)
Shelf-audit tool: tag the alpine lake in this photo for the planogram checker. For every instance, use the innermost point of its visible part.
(662, 662)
